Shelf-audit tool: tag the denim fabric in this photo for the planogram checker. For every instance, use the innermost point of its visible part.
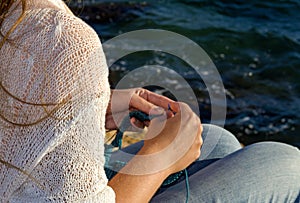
(225, 172)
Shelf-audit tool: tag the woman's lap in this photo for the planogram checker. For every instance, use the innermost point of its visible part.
(263, 172)
(217, 145)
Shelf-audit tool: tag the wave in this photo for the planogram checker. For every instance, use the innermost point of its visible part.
(254, 44)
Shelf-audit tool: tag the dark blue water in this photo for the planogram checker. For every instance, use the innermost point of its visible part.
(255, 46)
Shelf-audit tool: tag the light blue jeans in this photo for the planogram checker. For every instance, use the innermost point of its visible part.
(225, 172)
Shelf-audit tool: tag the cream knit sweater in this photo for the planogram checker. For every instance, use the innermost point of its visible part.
(56, 59)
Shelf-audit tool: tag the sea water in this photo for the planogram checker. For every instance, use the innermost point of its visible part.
(255, 46)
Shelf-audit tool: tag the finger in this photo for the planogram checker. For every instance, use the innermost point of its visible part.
(113, 121)
(110, 123)
(136, 123)
(175, 107)
(170, 114)
(145, 106)
(157, 99)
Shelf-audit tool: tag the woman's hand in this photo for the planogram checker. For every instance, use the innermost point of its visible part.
(170, 146)
(136, 99)
(176, 141)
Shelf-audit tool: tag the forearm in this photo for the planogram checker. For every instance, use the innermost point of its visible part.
(136, 188)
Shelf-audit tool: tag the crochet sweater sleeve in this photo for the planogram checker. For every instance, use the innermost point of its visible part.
(56, 62)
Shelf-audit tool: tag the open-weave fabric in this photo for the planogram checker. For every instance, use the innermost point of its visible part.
(56, 59)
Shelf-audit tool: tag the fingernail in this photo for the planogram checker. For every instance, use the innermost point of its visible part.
(157, 110)
(133, 120)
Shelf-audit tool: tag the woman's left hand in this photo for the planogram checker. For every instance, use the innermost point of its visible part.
(125, 100)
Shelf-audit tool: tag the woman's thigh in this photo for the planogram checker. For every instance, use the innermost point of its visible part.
(263, 172)
(217, 143)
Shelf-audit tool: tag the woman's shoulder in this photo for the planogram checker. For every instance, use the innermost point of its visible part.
(49, 34)
(61, 25)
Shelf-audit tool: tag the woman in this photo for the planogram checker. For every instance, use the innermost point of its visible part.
(54, 98)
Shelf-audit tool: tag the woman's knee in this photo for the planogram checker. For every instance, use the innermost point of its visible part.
(263, 172)
(219, 133)
(217, 142)
(273, 157)
(275, 150)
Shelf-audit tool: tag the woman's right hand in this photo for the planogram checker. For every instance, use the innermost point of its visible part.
(176, 140)
(172, 143)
